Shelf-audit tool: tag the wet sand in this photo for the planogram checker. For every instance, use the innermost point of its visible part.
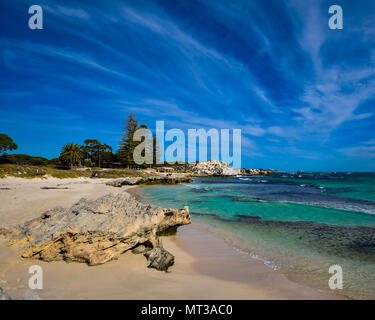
(205, 266)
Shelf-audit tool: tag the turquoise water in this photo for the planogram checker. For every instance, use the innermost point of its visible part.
(302, 223)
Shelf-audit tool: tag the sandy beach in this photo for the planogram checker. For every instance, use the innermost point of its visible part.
(205, 266)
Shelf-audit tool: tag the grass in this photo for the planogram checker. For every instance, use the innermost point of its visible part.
(28, 171)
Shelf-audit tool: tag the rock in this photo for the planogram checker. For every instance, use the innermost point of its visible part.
(141, 249)
(159, 258)
(257, 172)
(213, 168)
(4, 231)
(4, 295)
(94, 231)
(130, 181)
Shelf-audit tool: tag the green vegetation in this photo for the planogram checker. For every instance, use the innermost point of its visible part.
(127, 144)
(29, 171)
(82, 160)
(95, 152)
(6, 143)
(71, 154)
(26, 159)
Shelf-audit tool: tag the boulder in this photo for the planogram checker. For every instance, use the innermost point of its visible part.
(94, 231)
(159, 258)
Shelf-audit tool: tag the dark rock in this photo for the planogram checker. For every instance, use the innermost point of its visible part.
(131, 181)
(248, 218)
(257, 172)
(159, 258)
(54, 188)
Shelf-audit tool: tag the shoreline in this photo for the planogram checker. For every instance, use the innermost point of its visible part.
(218, 236)
(214, 270)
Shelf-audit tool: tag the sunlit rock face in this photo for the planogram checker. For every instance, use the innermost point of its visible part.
(95, 231)
(213, 168)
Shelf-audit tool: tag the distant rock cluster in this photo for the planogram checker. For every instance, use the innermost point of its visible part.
(97, 231)
(212, 168)
(130, 181)
(257, 172)
(221, 168)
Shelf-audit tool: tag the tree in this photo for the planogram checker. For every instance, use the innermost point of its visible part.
(6, 143)
(86, 153)
(127, 144)
(102, 151)
(72, 154)
(90, 147)
(93, 150)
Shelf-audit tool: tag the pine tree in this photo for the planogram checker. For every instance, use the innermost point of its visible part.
(127, 144)
(156, 149)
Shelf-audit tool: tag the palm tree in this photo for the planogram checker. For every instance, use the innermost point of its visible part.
(72, 154)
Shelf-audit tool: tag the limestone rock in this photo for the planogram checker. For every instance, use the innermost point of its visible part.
(213, 168)
(257, 172)
(130, 181)
(141, 249)
(94, 231)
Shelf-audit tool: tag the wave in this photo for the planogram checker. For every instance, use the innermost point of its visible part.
(336, 206)
(196, 188)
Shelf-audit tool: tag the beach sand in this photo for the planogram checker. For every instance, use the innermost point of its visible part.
(206, 267)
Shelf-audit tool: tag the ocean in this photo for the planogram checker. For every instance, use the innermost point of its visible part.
(301, 223)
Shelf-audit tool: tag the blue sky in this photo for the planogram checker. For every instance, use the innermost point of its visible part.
(303, 94)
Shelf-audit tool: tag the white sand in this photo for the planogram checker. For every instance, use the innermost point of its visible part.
(205, 266)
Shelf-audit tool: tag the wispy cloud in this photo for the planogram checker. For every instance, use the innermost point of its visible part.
(274, 70)
(67, 12)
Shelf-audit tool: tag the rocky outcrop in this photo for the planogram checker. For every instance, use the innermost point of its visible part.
(212, 168)
(257, 172)
(96, 231)
(148, 180)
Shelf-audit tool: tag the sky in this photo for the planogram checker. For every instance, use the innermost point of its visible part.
(302, 94)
